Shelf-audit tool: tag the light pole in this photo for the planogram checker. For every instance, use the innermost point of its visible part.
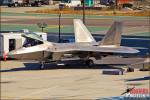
(83, 2)
(59, 27)
(115, 7)
(42, 26)
(61, 6)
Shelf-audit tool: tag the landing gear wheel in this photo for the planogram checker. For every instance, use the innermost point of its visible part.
(90, 63)
(32, 5)
(9, 5)
(67, 65)
(39, 4)
(16, 5)
(42, 66)
(129, 69)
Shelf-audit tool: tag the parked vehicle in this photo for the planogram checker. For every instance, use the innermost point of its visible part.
(70, 3)
(22, 3)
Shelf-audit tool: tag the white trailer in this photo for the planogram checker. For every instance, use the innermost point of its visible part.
(70, 3)
(11, 41)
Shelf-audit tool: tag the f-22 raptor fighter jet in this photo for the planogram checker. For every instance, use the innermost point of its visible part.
(84, 47)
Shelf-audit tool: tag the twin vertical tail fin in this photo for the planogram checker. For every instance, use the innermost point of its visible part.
(82, 34)
(113, 36)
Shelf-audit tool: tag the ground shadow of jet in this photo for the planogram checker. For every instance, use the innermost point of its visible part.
(36, 66)
(28, 67)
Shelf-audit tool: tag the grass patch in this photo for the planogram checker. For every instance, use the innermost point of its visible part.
(50, 28)
(142, 34)
(52, 15)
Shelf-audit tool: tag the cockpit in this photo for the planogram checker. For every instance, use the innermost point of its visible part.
(32, 39)
(31, 42)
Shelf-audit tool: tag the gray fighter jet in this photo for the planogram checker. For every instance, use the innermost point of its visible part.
(84, 47)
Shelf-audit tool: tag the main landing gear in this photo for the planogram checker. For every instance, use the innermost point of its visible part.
(130, 69)
(89, 63)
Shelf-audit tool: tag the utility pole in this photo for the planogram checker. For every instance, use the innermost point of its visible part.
(83, 1)
(116, 4)
(59, 27)
(60, 13)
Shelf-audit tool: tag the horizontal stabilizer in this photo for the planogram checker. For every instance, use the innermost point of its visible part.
(81, 32)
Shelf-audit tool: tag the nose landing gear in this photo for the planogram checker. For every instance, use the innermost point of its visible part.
(42, 65)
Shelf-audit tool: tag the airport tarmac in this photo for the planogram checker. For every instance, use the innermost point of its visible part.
(25, 81)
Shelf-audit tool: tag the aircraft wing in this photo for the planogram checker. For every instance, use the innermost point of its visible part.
(79, 48)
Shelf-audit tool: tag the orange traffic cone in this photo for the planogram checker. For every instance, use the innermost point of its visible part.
(4, 55)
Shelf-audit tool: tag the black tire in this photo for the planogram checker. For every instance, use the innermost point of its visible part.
(16, 4)
(39, 4)
(89, 63)
(32, 4)
(67, 65)
(41, 66)
(130, 69)
(9, 5)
